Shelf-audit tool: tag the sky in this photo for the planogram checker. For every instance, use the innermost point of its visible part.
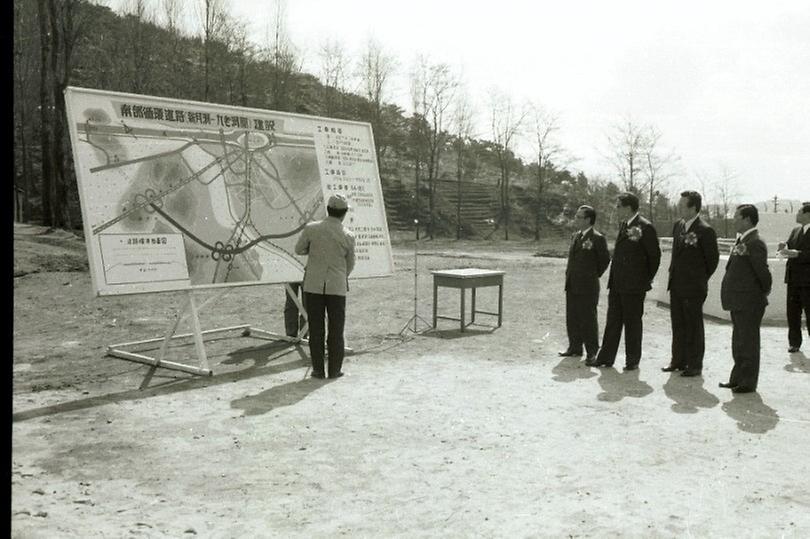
(726, 83)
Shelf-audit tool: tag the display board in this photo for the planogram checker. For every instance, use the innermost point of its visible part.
(182, 194)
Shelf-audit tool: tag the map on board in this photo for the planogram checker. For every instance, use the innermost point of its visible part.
(180, 194)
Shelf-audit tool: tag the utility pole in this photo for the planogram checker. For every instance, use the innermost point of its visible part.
(775, 204)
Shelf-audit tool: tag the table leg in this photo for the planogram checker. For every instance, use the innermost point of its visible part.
(435, 303)
(472, 305)
(462, 308)
(500, 304)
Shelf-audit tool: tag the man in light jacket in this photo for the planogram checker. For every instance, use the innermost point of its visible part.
(330, 249)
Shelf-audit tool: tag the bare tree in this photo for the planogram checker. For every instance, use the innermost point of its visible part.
(242, 54)
(627, 142)
(545, 124)
(24, 66)
(213, 16)
(172, 13)
(644, 167)
(463, 118)
(705, 184)
(658, 167)
(727, 193)
(375, 69)
(60, 25)
(137, 15)
(46, 112)
(334, 63)
(283, 57)
(433, 87)
(418, 126)
(334, 66)
(506, 122)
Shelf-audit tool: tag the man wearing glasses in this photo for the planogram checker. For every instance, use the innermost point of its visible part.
(636, 257)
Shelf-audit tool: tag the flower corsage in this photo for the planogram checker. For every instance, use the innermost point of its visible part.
(634, 233)
(739, 250)
(690, 239)
(587, 245)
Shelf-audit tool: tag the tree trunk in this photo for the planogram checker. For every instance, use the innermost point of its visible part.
(242, 84)
(416, 195)
(431, 206)
(26, 168)
(505, 199)
(44, 113)
(22, 140)
(539, 198)
(459, 175)
(60, 208)
(431, 200)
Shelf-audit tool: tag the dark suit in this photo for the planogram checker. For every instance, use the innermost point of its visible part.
(744, 292)
(588, 258)
(797, 277)
(694, 259)
(634, 265)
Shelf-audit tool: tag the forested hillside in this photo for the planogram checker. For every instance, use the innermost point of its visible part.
(432, 169)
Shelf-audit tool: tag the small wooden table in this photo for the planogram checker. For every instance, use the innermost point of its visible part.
(463, 279)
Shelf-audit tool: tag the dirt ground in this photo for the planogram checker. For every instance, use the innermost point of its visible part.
(483, 433)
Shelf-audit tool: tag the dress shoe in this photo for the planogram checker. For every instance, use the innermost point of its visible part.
(740, 389)
(631, 367)
(338, 375)
(590, 359)
(670, 368)
(603, 365)
(688, 373)
(319, 375)
(569, 353)
(727, 385)
(793, 349)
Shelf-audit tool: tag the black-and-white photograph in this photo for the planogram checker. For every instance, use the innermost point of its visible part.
(310, 268)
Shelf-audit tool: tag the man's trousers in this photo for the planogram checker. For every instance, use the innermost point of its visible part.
(321, 307)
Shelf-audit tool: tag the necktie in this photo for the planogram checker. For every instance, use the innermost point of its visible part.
(623, 228)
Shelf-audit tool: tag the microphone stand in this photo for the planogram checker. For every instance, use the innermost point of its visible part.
(415, 319)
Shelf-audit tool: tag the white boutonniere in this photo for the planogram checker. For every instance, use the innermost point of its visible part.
(690, 239)
(587, 245)
(739, 250)
(634, 233)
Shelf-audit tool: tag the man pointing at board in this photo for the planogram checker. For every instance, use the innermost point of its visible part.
(330, 249)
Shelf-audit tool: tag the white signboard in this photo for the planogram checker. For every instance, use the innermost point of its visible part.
(179, 194)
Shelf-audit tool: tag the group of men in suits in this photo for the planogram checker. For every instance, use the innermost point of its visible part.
(695, 256)
(636, 256)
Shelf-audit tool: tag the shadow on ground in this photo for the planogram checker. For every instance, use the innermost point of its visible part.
(571, 369)
(278, 396)
(688, 394)
(457, 333)
(798, 363)
(261, 356)
(616, 386)
(750, 413)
